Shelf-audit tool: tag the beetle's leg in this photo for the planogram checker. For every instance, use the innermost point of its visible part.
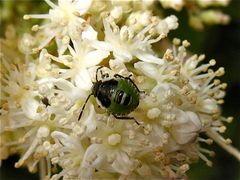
(126, 117)
(100, 67)
(129, 79)
(118, 76)
(80, 115)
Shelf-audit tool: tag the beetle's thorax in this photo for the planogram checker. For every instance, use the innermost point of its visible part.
(103, 91)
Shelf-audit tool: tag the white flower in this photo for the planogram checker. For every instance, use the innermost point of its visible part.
(19, 87)
(66, 22)
(82, 57)
(113, 148)
(68, 153)
(126, 44)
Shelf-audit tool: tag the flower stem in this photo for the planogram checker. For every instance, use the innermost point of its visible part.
(42, 169)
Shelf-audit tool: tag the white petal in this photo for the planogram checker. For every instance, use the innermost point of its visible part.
(89, 33)
(77, 93)
(83, 6)
(32, 70)
(171, 146)
(117, 65)
(186, 127)
(123, 55)
(208, 105)
(147, 68)
(71, 50)
(92, 150)
(82, 79)
(29, 106)
(79, 48)
(89, 119)
(67, 141)
(61, 47)
(147, 57)
(104, 46)
(122, 163)
(95, 57)
(63, 84)
(86, 173)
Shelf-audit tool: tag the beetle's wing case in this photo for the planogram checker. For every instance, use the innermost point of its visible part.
(129, 91)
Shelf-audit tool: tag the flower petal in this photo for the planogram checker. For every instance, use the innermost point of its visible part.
(147, 68)
(83, 5)
(186, 126)
(95, 57)
(83, 79)
(89, 33)
(29, 106)
(147, 57)
(122, 163)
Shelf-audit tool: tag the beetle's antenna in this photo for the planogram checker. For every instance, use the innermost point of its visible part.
(100, 67)
(80, 115)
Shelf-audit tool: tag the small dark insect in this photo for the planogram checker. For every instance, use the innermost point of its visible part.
(119, 95)
(45, 101)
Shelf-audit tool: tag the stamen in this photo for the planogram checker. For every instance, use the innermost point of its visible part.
(204, 158)
(225, 144)
(210, 153)
(228, 119)
(176, 41)
(27, 153)
(33, 167)
(186, 44)
(46, 41)
(36, 16)
(208, 141)
(35, 28)
(51, 4)
(221, 129)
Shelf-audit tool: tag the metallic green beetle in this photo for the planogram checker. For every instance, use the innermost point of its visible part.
(119, 95)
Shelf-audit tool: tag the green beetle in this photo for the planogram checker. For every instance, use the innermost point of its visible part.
(119, 95)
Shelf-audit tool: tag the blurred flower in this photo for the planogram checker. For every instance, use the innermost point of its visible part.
(201, 12)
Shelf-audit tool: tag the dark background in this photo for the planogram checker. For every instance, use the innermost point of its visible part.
(219, 42)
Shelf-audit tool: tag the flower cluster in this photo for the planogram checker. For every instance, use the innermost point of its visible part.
(46, 79)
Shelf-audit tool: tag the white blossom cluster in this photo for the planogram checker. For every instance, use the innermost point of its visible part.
(46, 78)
